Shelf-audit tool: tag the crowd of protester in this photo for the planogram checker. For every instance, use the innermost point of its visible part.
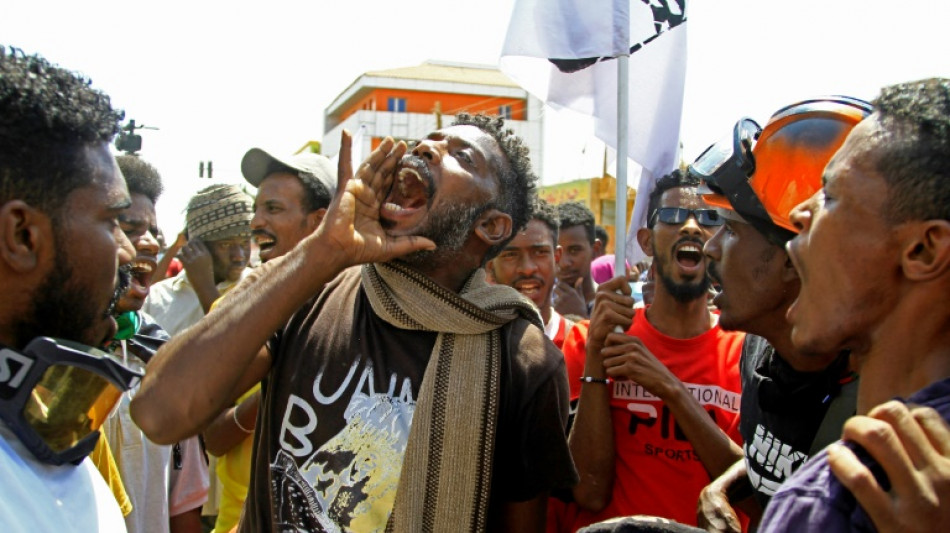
(421, 343)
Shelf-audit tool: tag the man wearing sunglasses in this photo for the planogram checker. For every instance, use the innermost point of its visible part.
(659, 404)
(61, 194)
(793, 402)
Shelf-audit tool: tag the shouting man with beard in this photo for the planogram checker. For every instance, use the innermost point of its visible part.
(381, 312)
(659, 403)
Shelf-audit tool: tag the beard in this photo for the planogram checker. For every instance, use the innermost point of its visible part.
(64, 310)
(449, 229)
(681, 291)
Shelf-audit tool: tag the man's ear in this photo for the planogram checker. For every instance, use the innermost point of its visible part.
(314, 218)
(926, 255)
(23, 232)
(645, 238)
(558, 250)
(493, 227)
(597, 248)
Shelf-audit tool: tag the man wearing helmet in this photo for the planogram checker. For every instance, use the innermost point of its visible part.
(793, 401)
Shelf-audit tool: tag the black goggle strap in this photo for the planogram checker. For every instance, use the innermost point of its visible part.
(93, 359)
(731, 179)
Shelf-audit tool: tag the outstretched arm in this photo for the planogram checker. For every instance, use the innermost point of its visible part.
(912, 444)
(196, 374)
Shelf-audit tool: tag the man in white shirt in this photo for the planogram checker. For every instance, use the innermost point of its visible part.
(60, 196)
(215, 257)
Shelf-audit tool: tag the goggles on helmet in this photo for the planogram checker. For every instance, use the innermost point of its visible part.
(56, 394)
(725, 169)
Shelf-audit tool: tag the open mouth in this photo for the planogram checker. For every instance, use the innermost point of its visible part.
(265, 242)
(529, 288)
(411, 191)
(689, 255)
(141, 274)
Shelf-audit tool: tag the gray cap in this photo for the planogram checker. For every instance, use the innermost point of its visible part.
(311, 168)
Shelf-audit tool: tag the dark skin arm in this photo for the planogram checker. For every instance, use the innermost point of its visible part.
(516, 517)
(200, 372)
(592, 435)
(626, 358)
(223, 434)
(715, 511)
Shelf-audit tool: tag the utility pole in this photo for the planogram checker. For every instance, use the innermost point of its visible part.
(128, 141)
(201, 169)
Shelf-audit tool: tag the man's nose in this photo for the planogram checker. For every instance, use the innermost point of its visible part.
(428, 150)
(238, 252)
(691, 226)
(527, 265)
(712, 247)
(148, 243)
(126, 252)
(801, 214)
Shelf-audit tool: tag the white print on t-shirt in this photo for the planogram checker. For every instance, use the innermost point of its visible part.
(351, 480)
(768, 456)
(704, 394)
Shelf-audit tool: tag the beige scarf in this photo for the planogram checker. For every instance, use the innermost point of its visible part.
(446, 473)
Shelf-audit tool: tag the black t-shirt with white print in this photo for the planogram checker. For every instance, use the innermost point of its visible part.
(338, 405)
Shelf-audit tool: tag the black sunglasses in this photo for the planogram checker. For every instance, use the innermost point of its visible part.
(678, 215)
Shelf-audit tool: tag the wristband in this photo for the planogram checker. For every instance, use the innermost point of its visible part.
(588, 379)
(238, 424)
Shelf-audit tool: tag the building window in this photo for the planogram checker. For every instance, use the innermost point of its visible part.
(504, 111)
(396, 105)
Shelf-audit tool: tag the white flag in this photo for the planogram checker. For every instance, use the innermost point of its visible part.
(561, 51)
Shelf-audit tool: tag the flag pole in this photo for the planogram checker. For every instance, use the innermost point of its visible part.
(620, 210)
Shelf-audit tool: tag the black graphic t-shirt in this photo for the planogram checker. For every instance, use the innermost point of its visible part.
(338, 405)
(781, 412)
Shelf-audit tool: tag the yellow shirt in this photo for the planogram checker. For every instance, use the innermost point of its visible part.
(234, 474)
(105, 462)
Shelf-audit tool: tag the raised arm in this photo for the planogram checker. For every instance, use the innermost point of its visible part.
(199, 372)
(628, 358)
(592, 435)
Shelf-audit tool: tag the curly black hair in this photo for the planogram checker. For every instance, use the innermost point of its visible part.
(915, 158)
(140, 177)
(677, 178)
(518, 183)
(577, 214)
(546, 213)
(49, 116)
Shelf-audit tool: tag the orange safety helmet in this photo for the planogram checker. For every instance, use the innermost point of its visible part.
(786, 162)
